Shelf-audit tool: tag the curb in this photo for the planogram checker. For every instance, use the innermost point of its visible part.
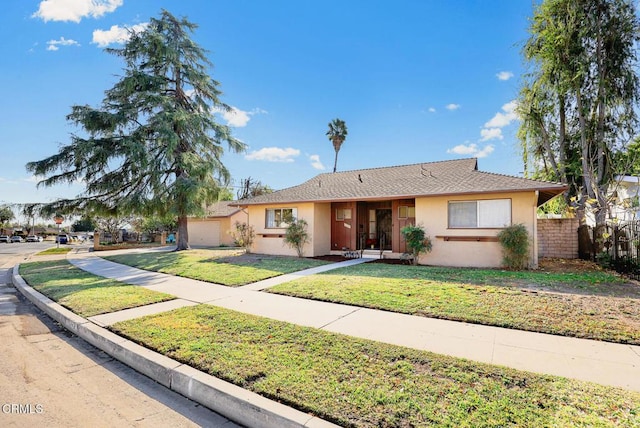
(240, 405)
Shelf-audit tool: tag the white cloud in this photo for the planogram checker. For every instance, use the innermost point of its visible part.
(504, 75)
(236, 117)
(239, 118)
(116, 34)
(53, 45)
(432, 110)
(315, 162)
(274, 154)
(491, 134)
(472, 150)
(500, 120)
(74, 10)
(452, 106)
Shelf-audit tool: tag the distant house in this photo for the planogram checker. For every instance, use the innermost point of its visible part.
(461, 208)
(626, 199)
(214, 228)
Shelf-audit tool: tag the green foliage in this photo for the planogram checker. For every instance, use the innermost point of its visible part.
(250, 188)
(153, 146)
(84, 224)
(296, 235)
(155, 224)
(84, 293)
(228, 266)
(361, 383)
(244, 235)
(337, 133)
(515, 246)
(578, 104)
(417, 240)
(579, 303)
(6, 214)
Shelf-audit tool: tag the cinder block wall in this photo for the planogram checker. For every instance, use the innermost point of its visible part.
(558, 237)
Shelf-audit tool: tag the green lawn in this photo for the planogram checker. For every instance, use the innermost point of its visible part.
(84, 293)
(228, 267)
(455, 294)
(355, 382)
(53, 251)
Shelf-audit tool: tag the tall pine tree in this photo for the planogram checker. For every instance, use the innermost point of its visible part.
(154, 146)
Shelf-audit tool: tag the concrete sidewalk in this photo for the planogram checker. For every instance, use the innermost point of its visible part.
(590, 360)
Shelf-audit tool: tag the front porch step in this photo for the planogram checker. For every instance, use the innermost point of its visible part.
(375, 254)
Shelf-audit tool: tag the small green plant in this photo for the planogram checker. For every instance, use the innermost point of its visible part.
(515, 246)
(417, 240)
(244, 235)
(296, 235)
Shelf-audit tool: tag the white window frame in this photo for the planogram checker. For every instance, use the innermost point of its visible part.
(272, 214)
(484, 217)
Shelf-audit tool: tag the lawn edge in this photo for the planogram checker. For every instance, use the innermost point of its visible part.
(240, 405)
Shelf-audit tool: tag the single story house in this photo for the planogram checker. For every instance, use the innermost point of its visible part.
(214, 229)
(461, 208)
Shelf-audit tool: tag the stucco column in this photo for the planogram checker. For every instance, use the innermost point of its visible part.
(96, 241)
(534, 238)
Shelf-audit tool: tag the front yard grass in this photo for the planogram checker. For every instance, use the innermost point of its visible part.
(228, 267)
(355, 382)
(455, 294)
(53, 251)
(84, 293)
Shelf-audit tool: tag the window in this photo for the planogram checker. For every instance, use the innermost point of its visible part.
(279, 217)
(343, 214)
(406, 211)
(489, 213)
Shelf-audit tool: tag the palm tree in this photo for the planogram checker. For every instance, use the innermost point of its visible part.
(337, 133)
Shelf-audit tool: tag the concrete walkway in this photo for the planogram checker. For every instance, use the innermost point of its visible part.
(590, 360)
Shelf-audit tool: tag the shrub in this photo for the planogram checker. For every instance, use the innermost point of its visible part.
(243, 236)
(417, 240)
(296, 235)
(515, 246)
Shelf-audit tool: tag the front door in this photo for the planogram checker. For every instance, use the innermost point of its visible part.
(384, 224)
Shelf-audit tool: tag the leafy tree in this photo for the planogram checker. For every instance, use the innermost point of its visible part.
(417, 240)
(153, 147)
(6, 214)
(296, 235)
(578, 103)
(84, 224)
(112, 226)
(250, 188)
(153, 225)
(337, 133)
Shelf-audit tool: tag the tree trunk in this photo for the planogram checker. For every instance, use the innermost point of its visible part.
(183, 234)
(335, 162)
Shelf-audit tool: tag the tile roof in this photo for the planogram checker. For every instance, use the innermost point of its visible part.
(221, 209)
(406, 181)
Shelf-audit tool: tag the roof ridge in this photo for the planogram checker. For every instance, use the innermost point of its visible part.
(519, 178)
(394, 166)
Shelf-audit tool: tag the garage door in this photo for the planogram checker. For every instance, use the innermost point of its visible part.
(205, 233)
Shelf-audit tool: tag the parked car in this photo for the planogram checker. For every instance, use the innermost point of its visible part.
(34, 238)
(62, 239)
(5, 238)
(17, 238)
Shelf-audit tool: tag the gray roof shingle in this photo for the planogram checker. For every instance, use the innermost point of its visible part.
(222, 209)
(406, 181)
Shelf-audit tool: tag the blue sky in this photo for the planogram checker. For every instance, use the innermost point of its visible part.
(415, 81)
